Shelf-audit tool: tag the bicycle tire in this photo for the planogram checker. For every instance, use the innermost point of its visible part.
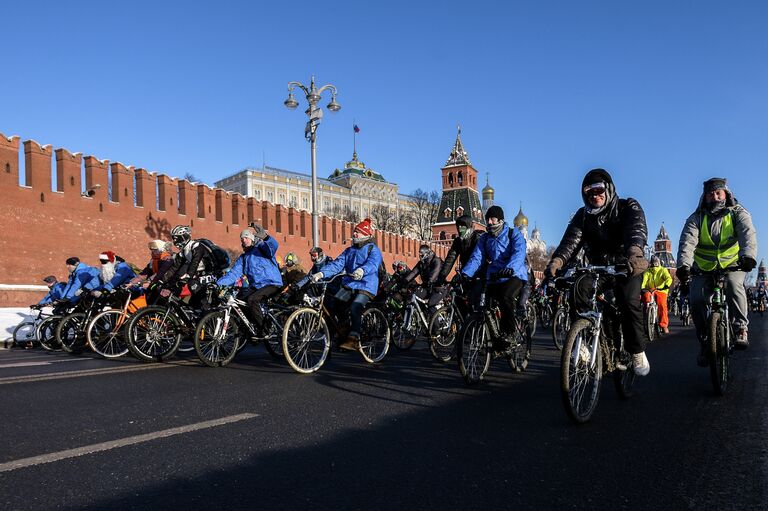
(46, 333)
(473, 352)
(274, 341)
(153, 334)
(406, 335)
(521, 354)
(105, 334)
(374, 336)
(560, 327)
(719, 365)
(216, 341)
(306, 340)
(650, 324)
(443, 333)
(25, 332)
(531, 314)
(70, 333)
(546, 316)
(624, 381)
(577, 379)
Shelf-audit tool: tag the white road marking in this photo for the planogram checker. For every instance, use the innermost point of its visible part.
(42, 363)
(91, 372)
(122, 442)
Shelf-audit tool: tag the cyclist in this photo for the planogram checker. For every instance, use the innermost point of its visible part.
(81, 278)
(161, 253)
(611, 231)
(292, 272)
(428, 270)
(55, 291)
(656, 282)
(719, 234)
(259, 267)
(760, 297)
(193, 264)
(319, 259)
(114, 273)
(504, 247)
(461, 249)
(361, 261)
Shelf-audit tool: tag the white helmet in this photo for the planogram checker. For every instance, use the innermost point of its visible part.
(181, 234)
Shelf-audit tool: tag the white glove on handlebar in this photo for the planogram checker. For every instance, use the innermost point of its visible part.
(358, 274)
(316, 276)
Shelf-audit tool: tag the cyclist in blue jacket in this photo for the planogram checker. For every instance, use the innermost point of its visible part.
(82, 278)
(114, 273)
(55, 290)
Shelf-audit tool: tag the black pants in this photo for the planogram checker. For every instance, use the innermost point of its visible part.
(505, 294)
(435, 297)
(254, 297)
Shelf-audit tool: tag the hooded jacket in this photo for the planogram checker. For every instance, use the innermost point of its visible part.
(461, 249)
(428, 269)
(507, 250)
(657, 278)
(366, 256)
(55, 293)
(85, 277)
(607, 235)
(742, 225)
(156, 268)
(123, 274)
(257, 264)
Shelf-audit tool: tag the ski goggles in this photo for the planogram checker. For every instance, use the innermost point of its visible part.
(594, 189)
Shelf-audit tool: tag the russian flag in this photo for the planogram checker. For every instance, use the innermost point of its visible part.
(354, 127)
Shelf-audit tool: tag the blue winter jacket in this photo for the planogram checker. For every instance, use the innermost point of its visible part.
(85, 277)
(367, 257)
(507, 250)
(258, 265)
(55, 293)
(123, 273)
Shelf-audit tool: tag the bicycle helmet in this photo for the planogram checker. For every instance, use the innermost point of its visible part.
(181, 234)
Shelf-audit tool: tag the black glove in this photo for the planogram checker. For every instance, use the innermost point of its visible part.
(747, 264)
(260, 233)
(683, 273)
(505, 272)
(457, 279)
(554, 265)
(35, 306)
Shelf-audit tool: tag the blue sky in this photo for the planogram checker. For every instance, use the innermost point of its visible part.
(663, 94)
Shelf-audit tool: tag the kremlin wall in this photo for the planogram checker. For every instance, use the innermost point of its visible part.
(54, 215)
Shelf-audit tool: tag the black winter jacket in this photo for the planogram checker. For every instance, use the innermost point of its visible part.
(428, 269)
(460, 249)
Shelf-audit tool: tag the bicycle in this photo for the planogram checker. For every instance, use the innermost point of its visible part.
(543, 307)
(105, 333)
(561, 320)
(70, 331)
(651, 315)
(481, 339)
(594, 347)
(446, 323)
(685, 312)
(26, 332)
(413, 322)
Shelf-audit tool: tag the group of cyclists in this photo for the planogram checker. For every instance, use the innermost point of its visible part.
(607, 231)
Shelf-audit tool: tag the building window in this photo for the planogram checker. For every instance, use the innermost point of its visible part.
(305, 203)
(270, 197)
(459, 178)
(281, 198)
(258, 194)
(459, 211)
(447, 213)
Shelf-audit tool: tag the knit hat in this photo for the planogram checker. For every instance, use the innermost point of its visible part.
(466, 220)
(73, 261)
(248, 233)
(157, 245)
(494, 212)
(364, 227)
(107, 256)
(50, 279)
(715, 183)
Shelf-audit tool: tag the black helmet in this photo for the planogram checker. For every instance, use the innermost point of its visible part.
(181, 234)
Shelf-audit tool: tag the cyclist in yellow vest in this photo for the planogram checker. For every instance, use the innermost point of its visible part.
(656, 281)
(719, 234)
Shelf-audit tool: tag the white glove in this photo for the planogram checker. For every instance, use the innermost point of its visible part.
(96, 293)
(317, 276)
(79, 292)
(358, 274)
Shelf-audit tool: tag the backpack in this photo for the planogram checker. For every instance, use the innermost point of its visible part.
(382, 267)
(219, 257)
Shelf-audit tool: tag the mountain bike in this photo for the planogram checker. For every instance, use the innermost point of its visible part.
(561, 319)
(105, 333)
(685, 311)
(651, 315)
(594, 347)
(26, 332)
(70, 331)
(446, 323)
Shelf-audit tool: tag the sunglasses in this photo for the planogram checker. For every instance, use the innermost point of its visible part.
(596, 189)
(104, 261)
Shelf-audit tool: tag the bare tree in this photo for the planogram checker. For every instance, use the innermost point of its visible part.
(540, 258)
(383, 217)
(424, 208)
(402, 222)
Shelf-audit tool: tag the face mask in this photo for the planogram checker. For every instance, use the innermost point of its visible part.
(495, 229)
(717, 206)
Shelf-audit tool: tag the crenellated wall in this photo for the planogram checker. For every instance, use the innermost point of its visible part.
(50, 217)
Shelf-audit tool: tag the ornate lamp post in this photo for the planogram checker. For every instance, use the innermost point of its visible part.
(315, 114)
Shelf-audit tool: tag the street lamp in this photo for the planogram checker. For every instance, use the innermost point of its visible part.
(315, 114)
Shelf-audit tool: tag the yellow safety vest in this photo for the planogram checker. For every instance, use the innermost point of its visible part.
(709, 256)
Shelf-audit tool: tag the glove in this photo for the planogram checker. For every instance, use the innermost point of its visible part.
(260, 233)
(316, 276)
(358, 274)
(35, 306)
(683, 273)
(636, 261)
(505, 273)
(79, 292)
(747, 264)
(165, 293)
(96, 293)
(554, 265)
(457, 279)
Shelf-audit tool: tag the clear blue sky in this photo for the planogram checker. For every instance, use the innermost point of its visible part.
(663, 94)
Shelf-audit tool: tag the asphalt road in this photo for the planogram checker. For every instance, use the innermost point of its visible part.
(84, 433)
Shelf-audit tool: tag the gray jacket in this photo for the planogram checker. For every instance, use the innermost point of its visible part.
(742, 224)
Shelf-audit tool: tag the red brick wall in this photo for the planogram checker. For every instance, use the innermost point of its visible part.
(41, 228)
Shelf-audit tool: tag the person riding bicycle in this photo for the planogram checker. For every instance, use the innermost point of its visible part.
(114, 273)
(292, 272)
(503, 248)
(259, 267)
(428, 270)
(462, 246)
(319, 259)
(611, 231)
(193, 264)
(656, 282)
(161, 253)
(718, 234)
(82, 278)
(361, 261)
(55, 291)
(761, 296)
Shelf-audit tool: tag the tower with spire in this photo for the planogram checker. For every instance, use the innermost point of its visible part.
(662, 248)
(488, 193)
(460, 197)
(762, 275)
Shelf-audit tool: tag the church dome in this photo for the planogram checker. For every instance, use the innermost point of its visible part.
(520, 220)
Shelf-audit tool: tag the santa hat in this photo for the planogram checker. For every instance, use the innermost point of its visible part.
(107, 255)
(364, 227)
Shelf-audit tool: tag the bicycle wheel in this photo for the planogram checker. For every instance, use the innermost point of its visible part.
(650, 323)
(46, 333)
(374, 338)
(106, 334)
(624, 380)
(718, 354)
(154, 334)
(274, 340)
(70, 333)
(531, 314)
(474, 355)
(405, 335)
(217, 338)
(545, 314)
(306, 340)
(25, 332)
(580, 376)
(442, 333)
(521, 352)
(561, 323)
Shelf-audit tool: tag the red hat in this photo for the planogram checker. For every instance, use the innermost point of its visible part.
(364, 227)
(108, 255)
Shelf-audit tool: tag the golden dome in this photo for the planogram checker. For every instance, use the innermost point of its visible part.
(520, 220)
(488, 191)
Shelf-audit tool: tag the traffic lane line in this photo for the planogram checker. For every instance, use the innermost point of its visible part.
(39, 363)
(91, 372)
(122, 442)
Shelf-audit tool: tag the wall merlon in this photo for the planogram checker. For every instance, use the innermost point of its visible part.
(12, 141)
(33, 146)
